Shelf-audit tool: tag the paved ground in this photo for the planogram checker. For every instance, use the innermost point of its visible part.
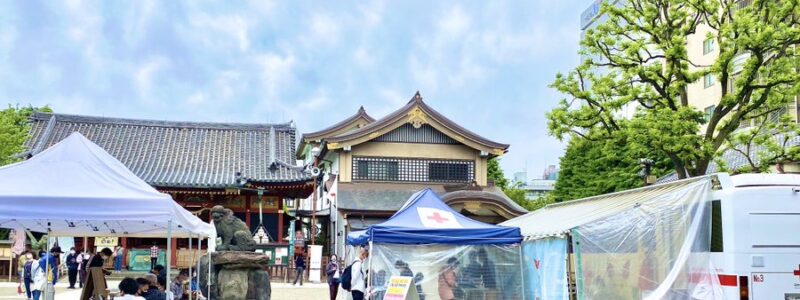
(309, 291)
(280, 291)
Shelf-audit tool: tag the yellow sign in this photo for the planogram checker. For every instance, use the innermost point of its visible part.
(105, 241)
(400, 288)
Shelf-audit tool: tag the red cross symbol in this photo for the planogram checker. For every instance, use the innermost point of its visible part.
(437, 217)
(797, 272)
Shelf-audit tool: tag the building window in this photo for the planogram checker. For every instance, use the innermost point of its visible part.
(412, 169)
(708, 80)
(709, 111)
(708, 46)
(377, 170)
(444, 172)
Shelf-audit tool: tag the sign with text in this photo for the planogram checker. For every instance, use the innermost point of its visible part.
(315, 255)
(105, 241)
(401, 288)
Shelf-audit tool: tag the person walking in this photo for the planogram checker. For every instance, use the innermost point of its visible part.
(153, 256)
(119, 254)
(299, 267)
(82, 267)
(448, 281)
(46, 274)
(333, 276)
(27, 274)
(72, 267)
(357, 282)
(22, 258)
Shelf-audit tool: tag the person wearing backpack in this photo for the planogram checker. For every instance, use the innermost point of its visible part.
(357, 281)
(27, 274)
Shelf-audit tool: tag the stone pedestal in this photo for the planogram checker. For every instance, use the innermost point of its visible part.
(236, 275)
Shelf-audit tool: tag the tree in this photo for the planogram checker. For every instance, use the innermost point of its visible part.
(639, 58)
(495, 172)
(604, 165)
(14, 130)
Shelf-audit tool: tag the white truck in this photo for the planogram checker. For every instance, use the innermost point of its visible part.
(756, 236)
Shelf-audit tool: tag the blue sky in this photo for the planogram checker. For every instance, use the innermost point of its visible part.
(484, 64)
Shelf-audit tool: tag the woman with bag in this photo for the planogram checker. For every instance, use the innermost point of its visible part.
(333, 276)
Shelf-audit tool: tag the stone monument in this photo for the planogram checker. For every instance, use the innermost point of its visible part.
(237, 273)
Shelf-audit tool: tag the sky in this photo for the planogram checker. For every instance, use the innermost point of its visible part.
(484, 64)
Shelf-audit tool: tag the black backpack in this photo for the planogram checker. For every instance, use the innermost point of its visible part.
(347, 277)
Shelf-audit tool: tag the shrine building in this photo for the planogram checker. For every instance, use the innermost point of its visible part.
(199, 164)
(369, 168)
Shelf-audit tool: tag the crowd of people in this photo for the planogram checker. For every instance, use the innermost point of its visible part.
(478, 279)
(35, 278)
(153, 286)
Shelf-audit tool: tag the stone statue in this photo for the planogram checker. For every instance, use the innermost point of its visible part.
(233, 233)
(237, 272)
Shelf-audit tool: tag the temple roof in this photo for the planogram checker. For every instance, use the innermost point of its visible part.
(418, 113)
(182, 154)
(360, 118)
(361, 114)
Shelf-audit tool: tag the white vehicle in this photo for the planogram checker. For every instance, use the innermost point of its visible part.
(756, 236)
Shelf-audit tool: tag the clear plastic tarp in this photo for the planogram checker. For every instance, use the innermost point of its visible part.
(442, 271)
(657, 249)
(545, 269)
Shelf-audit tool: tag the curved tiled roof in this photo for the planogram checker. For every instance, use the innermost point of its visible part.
(490, 195)
(181, 154)
(360, 114)
(416, 101)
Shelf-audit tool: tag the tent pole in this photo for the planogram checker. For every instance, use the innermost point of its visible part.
(369, 269)
(521, 272)
(199, 243)
(191, 262)
(208, 278)
(576, 250)
(169, 258)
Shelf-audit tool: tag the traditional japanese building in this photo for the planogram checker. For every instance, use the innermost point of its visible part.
(199, 164)
(370, 167)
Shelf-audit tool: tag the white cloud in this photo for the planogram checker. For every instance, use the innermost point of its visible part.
(455, 22)
(146, 75)
(324, 29)
(363, 57)
(372, 14)
(316, 102)
(138, 16)
(216, 30)
(277, 73)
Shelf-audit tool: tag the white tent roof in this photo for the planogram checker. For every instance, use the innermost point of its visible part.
(75, 188)
(558, 218)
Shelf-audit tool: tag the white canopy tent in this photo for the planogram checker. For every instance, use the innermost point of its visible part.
(75, 188)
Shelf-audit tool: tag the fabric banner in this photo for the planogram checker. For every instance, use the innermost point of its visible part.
(18, 237)
(656, 249)
(545, 268)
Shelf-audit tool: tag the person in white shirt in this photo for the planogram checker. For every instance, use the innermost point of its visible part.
(357, 282)
(128, 288)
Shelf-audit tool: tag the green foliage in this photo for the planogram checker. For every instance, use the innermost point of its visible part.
(516, 193)
(602, 164)
(639, 59)
(495, 173)
(4, 233)
(14, 130)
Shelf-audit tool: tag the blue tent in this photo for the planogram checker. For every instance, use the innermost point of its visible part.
(426, 219)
